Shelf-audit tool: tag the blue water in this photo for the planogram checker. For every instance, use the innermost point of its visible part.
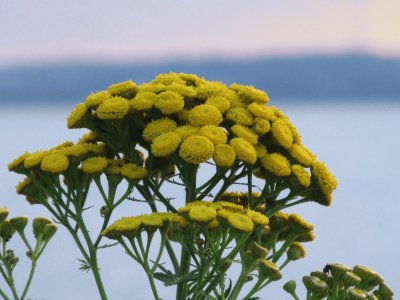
(359, 142)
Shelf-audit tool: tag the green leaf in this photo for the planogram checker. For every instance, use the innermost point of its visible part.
(83, 265)
(229, 288)
(169, 278)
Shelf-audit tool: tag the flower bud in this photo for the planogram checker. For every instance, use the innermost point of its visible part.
(6, 230)
(356, 294)
(256, 250)
(296, 251)
(38, 225)
(299, 225)
(3, 214)
(321, 275)
(338, 270)
(270, 270)
(368, 276)
(48, 231)
(226, 264)
(316, 286)
(351, 279)
(19, 223)
(290, 286)
(279, 221)
(385, 292)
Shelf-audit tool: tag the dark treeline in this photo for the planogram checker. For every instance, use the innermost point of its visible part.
(356, 77)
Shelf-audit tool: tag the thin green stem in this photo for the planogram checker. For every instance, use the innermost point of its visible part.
(4, 295)
(9, 273)
(28, 283)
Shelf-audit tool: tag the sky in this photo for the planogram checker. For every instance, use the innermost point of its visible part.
(40, 31)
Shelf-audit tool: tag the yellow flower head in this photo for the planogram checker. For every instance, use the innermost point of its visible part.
(300, 153)
(261, 150)
(282, 133)
(250, 94)
(296, 251)
(202, 214)
(165, 144)
(113, 108)
(245, 133)
(326, 181)
(18, 162)
(279, 221)
(214, 133)
(244, 150)
(205, 115)
(270, 269)
(240, 116)
(224, 155)
(94, 165)
(143, 101)
(168, 79)
(298, 224)
(224, 214)
(210, 89)
(22, 185)
(228, 206)
(158, 127)
(191, 79)
(257, 218)
(77, 114)
(83, 149)
(35, 159)
(95, 99)
(152, 221)
(183, 90)
(241, 222)
(196, 149)
(213, 224)
(151, 87)
(133, 172)
(262, 111)
(55, 163)
(301, 175)
(89, 137)
(126, 88)
(219, 102)
(262, 126)
(114, 167)
(186, 131)
(126, 224)
(169, 102)
(276, 164)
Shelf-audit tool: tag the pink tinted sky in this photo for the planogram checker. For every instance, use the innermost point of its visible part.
(45, 30)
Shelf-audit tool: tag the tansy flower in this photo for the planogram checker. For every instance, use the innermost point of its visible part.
(22, 185)
(300, 153)
(113, 108)
(168, 79)
(133, 172)
(224, 214)
(261, 150)
(183, 115)
(241, 222)
(202, 214)
(158, 127)
(186, 131)
(191, 79)
(296, 251)
(276, 164)
(298, 224)
(210, 89)
(114, 167)
(282, 133)
(169, 102)
(326, 181)
(279, 221)
(269, 269)
(94, 165)
(228, 206)
(244, 150)
(214, 133)
(224, 155)
(77, 115)
(301, 175)
(240, 116)
(82, 149)
(165, 144)
(213, 224)
(143, 101)
(55, 163)
(89, 137)
(250, 94)
(219, 102)
(19, 161)
(196, 149)
(152, 220)
(122, 88)
(245, 133)
(125, 224)
(204, 115)
(262, 126)
(151, 87)
(34, 159)
(95, 99)
(257, 218)
(183, 90)
(262, 111)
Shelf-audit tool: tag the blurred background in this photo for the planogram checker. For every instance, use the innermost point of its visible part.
(332, 66)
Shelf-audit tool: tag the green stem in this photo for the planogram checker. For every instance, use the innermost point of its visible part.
(254, 290)
(239, 284)
(28, 283)
(9, 273)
